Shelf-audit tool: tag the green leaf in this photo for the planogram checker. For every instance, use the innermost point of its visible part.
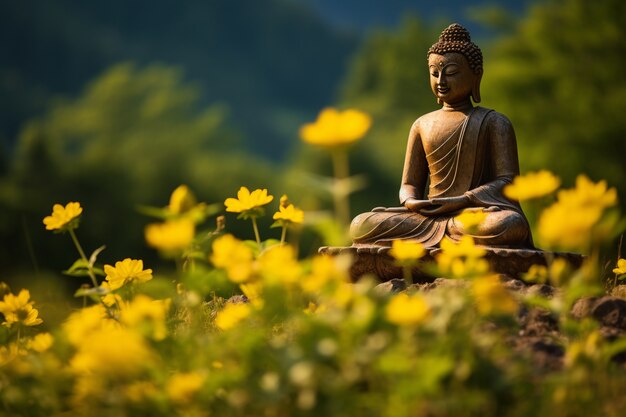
(80, 268)
(88, 292)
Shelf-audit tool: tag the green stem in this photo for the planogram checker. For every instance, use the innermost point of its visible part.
(283, 235)
(406, 273)
(19, 333)
(341, 172)
(84, 258)
(256, 232)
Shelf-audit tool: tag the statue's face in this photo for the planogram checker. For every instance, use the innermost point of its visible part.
(451, 77)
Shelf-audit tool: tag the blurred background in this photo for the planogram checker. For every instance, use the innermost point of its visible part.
(114, 104)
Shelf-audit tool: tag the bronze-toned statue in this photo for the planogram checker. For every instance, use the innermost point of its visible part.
(465, 155)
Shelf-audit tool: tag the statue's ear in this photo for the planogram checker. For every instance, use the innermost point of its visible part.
(476, 87)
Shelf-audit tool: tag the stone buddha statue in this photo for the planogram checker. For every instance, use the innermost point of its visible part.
(458, 158)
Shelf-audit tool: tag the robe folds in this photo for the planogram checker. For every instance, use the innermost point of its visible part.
(477, 159)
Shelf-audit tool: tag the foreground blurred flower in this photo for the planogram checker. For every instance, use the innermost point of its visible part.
(82, 323)
(407, 310)
(41, 342)
(471, 219)
(461, 259)
(234, 256)
(63, 218)
(111, 351)
(325, 270)
(569, 223)
(335, 128)
(407, 250)
(279, 265)
(232, 314)
(145, 314)
(183, 386)
(181, 200)
(532, 185)
(171, 236)
(19, 309)
(406, 254)
(620, 268)
(491, 297)
(126, 271)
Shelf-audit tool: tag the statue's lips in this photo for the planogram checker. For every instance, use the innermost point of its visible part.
(443, 90)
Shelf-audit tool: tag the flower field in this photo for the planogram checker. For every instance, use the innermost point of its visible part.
(249, 328)
(246, 328)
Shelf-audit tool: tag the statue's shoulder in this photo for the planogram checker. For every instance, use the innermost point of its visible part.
(491, 115)
(427, 119)
(494, 119)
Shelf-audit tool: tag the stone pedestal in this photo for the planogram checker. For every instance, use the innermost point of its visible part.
(373, 259)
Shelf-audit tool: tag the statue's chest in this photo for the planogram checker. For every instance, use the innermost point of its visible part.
(438, 138)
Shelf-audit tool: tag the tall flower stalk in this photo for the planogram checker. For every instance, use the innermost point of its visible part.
(335, 131)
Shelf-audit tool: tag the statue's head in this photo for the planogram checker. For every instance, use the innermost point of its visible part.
(456, 66)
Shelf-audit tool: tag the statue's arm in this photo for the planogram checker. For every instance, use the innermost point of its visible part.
(502, 148)
(415, 172)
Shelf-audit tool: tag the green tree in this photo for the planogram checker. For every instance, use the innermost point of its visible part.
(130, 138)
(559, 77)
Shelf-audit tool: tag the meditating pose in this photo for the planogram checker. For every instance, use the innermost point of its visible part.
(458, 158)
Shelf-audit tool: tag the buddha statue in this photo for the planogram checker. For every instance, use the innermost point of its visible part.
(458, 158)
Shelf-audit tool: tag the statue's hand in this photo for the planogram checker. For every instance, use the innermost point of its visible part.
(445, 205)
(416, 205)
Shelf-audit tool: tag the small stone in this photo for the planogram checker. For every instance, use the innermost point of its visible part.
(610, 311)
(582, 307)
(391, 286)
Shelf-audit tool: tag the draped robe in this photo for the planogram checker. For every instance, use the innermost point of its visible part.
(477, 160)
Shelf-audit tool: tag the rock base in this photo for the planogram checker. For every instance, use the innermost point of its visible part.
(375, 260)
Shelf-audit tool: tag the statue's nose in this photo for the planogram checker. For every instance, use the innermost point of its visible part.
(442, 79)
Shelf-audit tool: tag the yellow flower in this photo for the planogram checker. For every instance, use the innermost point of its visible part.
(234, 256)
(532, 185)
(570, 222)
(461, 259)
(181, 200)
(470, 219)
(568, 227)
(588, 193)
(247, 201)
(171, 236)
(19, 309)
(536, 273)
(491, 297)
(126, 271)
(232, 314)
(334, 128)
(289, 214)
(463, 248)
(63, 218)
(278, 265)
(81, 324)
(324, 270)
(112, 351)
(586, 348)
(407, 310)
(183, 386)
(41, 342)
(144, 313)
(407, 250)
(620, 267)
(140, 391)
